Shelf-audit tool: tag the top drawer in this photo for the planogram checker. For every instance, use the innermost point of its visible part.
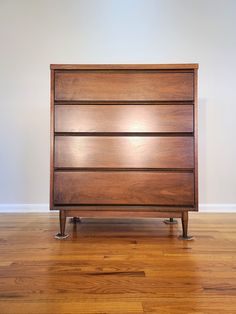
(123, 85)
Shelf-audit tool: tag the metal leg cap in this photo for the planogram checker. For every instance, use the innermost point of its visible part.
(60, 236)
(170, 222)
(75, 220)
(188, 238)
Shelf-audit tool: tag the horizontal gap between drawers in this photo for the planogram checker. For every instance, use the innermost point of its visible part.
(96, 169)
(191, 134)
(122, 102)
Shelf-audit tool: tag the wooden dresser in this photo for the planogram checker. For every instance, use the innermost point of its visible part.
(124, 141)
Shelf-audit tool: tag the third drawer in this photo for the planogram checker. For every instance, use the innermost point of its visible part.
(124, 152)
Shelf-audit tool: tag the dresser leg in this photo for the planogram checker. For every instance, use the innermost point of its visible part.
(62, 217)
(170, 221)
(185, 227)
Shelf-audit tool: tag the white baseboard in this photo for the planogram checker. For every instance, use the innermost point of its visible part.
(24, 208)
(44, 208)
(217, 208)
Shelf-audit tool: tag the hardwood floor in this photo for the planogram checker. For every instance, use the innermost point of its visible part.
(117, 266)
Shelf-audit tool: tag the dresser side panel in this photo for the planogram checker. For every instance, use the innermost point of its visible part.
(51, 201)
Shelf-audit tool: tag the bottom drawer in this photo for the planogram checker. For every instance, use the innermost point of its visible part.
(123, 187)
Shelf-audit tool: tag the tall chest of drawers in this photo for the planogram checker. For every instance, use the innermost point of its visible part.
(124, 141)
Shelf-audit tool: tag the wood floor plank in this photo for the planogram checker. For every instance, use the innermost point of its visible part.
(80, 307)
(210, 305)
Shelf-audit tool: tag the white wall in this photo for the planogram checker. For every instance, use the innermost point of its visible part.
(36, 33)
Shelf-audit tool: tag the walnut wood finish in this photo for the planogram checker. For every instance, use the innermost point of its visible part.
(122, 210)
(172, 67)
(196, 137)
(127, 214)
(125, 187)
(124, 141)
(119, 85)
(125, 118)
(123, 152)
(52, 127)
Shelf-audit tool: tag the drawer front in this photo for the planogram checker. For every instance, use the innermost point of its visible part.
(124, 118)
(123, 85)
(123, 152)
(124, 187)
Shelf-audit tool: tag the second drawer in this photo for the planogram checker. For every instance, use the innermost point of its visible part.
(124, 118)
(123, 152)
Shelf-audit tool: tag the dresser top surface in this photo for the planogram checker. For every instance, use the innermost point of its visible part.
(124, 66)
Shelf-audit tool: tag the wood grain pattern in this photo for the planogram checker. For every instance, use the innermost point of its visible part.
(176, 66)
(125, 213)
(124, 187)
(114, 266)
(123, 152)
(52, 127)
(117, 85)
(140, 211)
(124, 118)
(125, 136)
(196, 137)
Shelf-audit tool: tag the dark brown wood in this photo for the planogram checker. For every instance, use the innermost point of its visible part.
(62, 222)
(121, 214)
(185, 224)
(179, 66)
(155, 209)
(124, 118)
(123, 152)
(125, 187)
(51, 196)
(196, 137)
(125, 140)
(119, 85)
